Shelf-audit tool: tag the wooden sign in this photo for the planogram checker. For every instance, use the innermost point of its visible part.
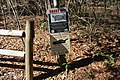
(60, 43)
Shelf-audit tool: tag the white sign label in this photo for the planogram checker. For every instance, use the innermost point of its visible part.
(58, 17)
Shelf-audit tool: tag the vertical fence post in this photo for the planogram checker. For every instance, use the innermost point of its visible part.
(29, 50)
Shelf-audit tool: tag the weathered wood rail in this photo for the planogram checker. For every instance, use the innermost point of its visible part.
(12, 53)
(13, 33)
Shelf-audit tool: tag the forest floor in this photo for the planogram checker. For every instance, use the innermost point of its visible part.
(91, 58)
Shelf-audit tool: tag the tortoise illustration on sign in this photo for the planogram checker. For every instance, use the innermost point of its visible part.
(59, 17)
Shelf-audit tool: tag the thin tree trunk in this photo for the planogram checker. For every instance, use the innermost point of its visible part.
(10, 2)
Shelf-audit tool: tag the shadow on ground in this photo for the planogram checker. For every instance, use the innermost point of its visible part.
(49, 72)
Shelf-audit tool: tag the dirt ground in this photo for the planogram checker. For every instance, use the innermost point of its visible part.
(85, 61)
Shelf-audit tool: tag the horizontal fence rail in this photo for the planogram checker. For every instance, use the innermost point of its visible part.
(12, 53)
(13, 33)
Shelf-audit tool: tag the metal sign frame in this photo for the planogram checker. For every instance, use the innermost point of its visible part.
(58, 20)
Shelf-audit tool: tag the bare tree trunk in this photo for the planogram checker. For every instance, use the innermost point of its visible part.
(118, 8)
(10, 2)
(4, 17)
(3, 13)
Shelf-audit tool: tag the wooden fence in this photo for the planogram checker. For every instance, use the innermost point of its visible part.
(29, 35)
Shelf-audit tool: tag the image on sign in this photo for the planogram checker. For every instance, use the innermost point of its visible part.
(58, 17)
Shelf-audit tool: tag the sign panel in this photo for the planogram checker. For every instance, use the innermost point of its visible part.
(58, 20)
(60, 43)
(59, 30)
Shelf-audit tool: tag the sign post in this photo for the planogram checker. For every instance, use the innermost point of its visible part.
(58, 24)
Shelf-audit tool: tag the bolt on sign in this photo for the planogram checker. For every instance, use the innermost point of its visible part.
(59, 30)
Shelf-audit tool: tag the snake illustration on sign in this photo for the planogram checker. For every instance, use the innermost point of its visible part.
(60, 43)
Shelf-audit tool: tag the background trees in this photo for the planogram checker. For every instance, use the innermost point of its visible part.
(95, 27)
(97, 11)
